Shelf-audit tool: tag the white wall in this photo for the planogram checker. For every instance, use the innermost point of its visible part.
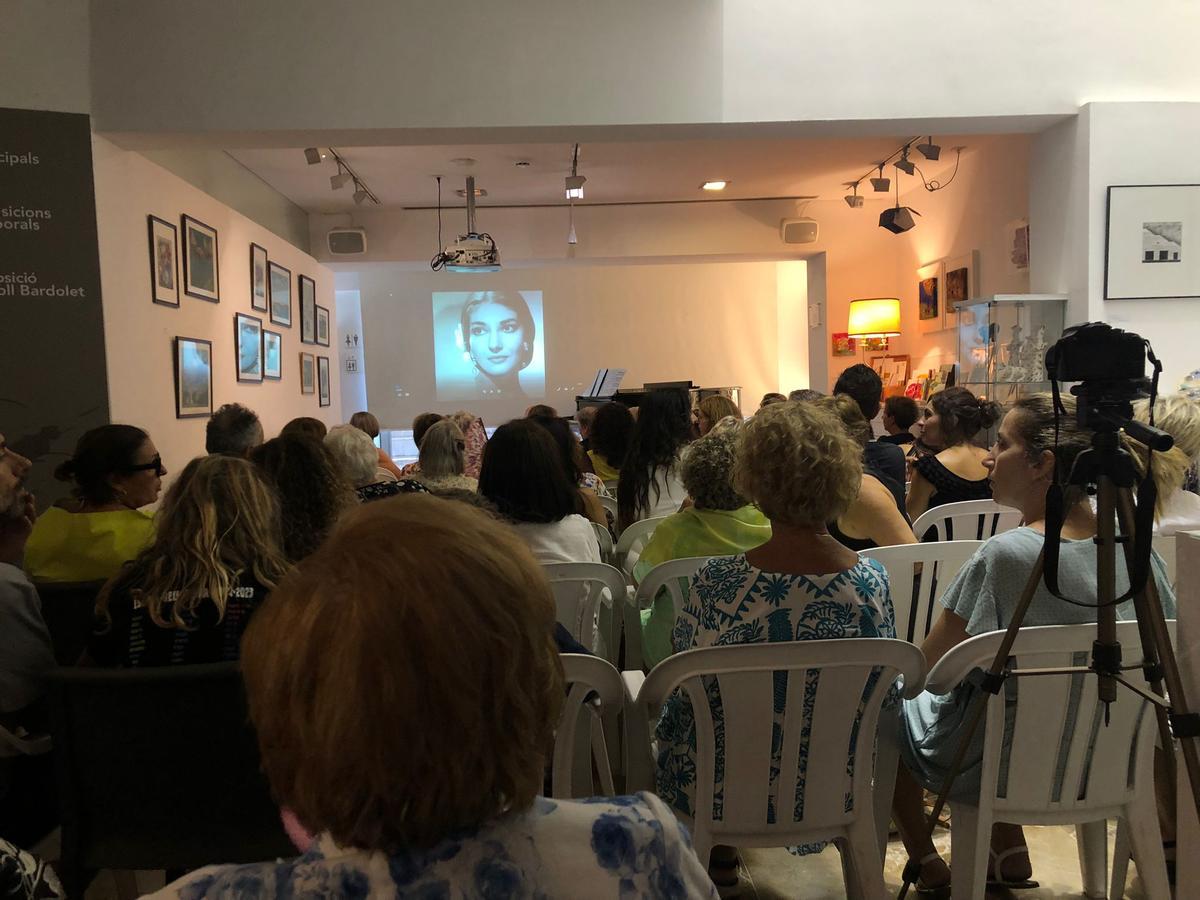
(139, 333)
(349, 323)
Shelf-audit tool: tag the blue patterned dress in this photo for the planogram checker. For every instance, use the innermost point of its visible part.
(732, 602)
(613, 847)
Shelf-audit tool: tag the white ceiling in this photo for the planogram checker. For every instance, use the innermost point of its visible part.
(631, 172)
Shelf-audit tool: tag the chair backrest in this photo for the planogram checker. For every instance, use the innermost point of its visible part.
(833, 696)
(674, 577)
(918, 575)
(580, 590)
(159, 768)
(610, 504)
(633, 539)
(604, 537)
(1164, 546)
(69, 609)
(1062, 757)
(595, 694)
(970, 520)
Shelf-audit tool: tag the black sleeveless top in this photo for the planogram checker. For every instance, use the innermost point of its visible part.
(948, 487)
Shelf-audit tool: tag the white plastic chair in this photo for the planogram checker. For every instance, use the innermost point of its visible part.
(580, 589)
(595, 698)
(604, 537)
(22, 743)
(745, 675)
(674, 576)
(919, 574)
(610, 504)
(970, 520)
(631, 541)
(1112, 778)
(1164, 546)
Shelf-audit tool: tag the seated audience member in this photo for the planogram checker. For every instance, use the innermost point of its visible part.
(864, 385)
(712, 410)
(954, 417)
(805, 395)
(354, 453)
(610, 440)
(369, 425)
(390, 817)
(187, 597)
(541, 410)
(720, 522)
(476, 438)
(233, 430)
(982, 598)
(798, 465)
(442, 458)
(585, 417)
(116, 470)
(311, 490)
(875, 518)
(649, 484)
(900, 414)
(421, 424)
(1177, 509)
(306, 426)
(573, 460)
(524, 476)
(770, 399)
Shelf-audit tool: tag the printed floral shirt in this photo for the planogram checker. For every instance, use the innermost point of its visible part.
(612, 847)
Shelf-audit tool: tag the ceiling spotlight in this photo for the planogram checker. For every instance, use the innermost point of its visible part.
(340, 180)
(573, 185)
(881, 185)
(714, 185)
(313, 155)
(898, 219)
(360, 195)
(853, 200)
(904, 164)
(930, 151)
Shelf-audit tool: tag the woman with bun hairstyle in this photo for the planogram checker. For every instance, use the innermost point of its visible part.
(956, 472)
(498, 333)
(116, 470)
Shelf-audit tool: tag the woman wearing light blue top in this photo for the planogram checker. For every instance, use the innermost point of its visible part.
(983, 598)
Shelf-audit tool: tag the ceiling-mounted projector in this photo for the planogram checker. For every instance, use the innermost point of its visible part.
(474, 251)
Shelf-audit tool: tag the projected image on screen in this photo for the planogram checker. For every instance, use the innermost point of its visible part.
(488, 344)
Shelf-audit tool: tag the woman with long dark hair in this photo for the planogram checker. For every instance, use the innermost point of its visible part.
(609, 440)
(650, 484)
(576, 463)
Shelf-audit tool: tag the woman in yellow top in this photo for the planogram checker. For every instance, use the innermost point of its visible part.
(116, 470)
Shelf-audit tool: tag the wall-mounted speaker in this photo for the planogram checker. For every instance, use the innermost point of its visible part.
(347, 241)
(798, 231)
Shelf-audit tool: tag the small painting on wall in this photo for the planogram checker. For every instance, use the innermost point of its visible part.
(1145, 254)
(929, 298)
(960, 285)
(875, 344)
(193, 378)
(843, 344)
(322, 326)
(272, 355)
(249, 343)
(323, 381)
(200, 276)
(258, 278)
(308, 310)
(308, 373)
(279, 283)
(164, 264)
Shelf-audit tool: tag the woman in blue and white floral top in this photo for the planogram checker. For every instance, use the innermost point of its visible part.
(798, 464)
(405, 687)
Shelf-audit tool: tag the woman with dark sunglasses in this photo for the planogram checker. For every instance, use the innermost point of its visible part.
(116, 471)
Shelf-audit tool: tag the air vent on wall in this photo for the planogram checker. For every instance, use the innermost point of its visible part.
(347, 241)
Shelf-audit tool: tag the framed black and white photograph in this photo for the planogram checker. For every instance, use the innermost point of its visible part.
(279, 287)
(322, 326)
(200, 276)
(164, 262)
(308, 373)
(308, 309)
(272, 355)
(193, 378)
(1147, 256)
(258, 278)
(322, 380)
(248, 335)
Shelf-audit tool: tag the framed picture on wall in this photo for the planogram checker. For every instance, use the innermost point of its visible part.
(279, 292)
(164, 262)
(193, 378)
(308, 373)
(1152, 242)
(929, 298)
(322, 380)
(961, 283)
(248, 340)
(322, 326)
(308, 309)
(258, 278)
(200, 276)
(272, 355)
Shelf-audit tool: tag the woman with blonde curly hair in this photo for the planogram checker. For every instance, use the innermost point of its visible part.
(189, 595)
(800, 467)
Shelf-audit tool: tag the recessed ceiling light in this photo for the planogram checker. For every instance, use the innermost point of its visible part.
(479, 192)
(714, 185)
(463, 161)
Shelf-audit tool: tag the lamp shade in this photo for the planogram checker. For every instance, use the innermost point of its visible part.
(875, 317)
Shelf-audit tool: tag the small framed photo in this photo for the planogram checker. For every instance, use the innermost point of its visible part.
(1152, 234)
(322, 326)
(308, 373)
(308, 309)
(322, 380)
(200, 276)
(258, 278)
(193, 378)
(248, 336)
(164, 262)
(272, 355)
(279, 287)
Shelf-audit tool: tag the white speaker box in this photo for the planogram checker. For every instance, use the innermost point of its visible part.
(798, 231)
(347, 241)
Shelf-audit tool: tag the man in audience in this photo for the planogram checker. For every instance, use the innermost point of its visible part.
(233, 430)
(770, 398)
(805, 395)
(863, 384)
(585, 417)
(899, 415)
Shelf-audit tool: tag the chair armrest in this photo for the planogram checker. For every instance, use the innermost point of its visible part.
(639, 757)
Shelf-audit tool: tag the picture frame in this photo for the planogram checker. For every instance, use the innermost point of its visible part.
(960, 285)
(1147, 232)
(193, 378)
(929, 298)
(279, 294)
(308, 373)
(258, 278)
(248, 348)
(164, 261)
(307, 291)
(323, 326)
(841, 344)
(201, 260)
(323, 381)
(893, 372)
(272, 365)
